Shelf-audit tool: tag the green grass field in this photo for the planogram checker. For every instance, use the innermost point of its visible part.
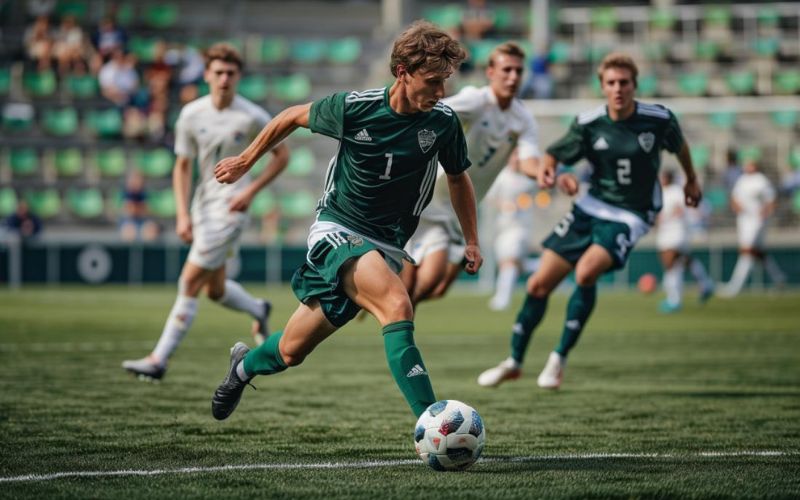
(705, 403)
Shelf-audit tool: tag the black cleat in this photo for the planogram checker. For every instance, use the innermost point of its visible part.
(144, 369)
(229, 392)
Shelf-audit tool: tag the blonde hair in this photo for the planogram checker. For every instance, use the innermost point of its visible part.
(424, 46)
(618, 60)
(223, 52)
(507, 48)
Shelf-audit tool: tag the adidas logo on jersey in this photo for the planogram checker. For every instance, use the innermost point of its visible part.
(600, 144)
(416, 371)
(363, 136)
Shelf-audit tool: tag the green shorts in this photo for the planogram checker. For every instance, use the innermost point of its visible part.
(578, 230)
(318, 278)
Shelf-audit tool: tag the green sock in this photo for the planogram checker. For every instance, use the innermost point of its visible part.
(406, 365)
(265, 359)
(528, 318)
(579, 308)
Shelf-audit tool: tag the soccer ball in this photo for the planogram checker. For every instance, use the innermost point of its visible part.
(449, 435)
(647, 283)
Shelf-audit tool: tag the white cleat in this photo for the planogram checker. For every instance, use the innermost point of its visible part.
(553, 372)
(145, 369)
(496, 304)
(508, 369)
(261, 326)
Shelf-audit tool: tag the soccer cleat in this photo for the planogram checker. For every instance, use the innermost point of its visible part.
(498, 304)
(706, 293)
(260, 326)
(668, 307)
(553, 372)
(145, 369)
(508, 369)
(229, 392)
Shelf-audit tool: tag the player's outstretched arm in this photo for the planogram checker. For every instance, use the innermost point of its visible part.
(691, 189)
(462, 196)
(181, 183)
(229, 170)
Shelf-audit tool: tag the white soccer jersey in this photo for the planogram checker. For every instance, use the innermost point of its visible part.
(672, 220)
(492, 134)
(752, 192)
(208, 134)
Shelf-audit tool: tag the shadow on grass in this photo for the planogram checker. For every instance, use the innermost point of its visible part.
(730, 394)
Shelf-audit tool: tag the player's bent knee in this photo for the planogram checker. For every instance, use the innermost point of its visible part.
(292, 357)
(536, 288)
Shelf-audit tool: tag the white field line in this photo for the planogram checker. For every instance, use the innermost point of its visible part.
(382, 463)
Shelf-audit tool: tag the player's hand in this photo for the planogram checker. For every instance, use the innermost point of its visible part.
(241, 202)
(546, 175)
(472, 254)
(183, 227)
(230, 170)
(693, 193)
(567, 183)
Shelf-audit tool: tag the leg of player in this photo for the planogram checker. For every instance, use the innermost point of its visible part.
(552, 270)
(672, 262)
(741, 271)
(232, 295)
(180, 318)
(429, 274)
(700, 274)
(504, 285)
(450, 275)
(592, 264)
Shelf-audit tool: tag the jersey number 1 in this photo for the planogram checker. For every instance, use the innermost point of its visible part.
(386, 175)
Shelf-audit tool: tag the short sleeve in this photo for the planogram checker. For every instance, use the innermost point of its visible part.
(453, 156)
(673, 137)
(467, 103)
(327, 116)
(569, 149)
(184, 140)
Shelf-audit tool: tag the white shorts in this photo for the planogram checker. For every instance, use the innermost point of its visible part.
(750, 232)
(433, 236)
(511, 244)
(672, 240)
(214, 244)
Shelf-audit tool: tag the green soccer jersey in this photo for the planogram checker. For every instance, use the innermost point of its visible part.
(384, 171)
(625, 155)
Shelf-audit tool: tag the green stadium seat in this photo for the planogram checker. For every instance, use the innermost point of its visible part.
(663, 19)
(161, 15)
(263, 203)
(480, 50)
(647, 85)
(85, 203)
(694, 84)
(68, 162)
(298, 204)
(786, 82)
(254, 87)
(796, 203)
(162, 203)
(274, 50)
(741, 82)
(111, 162)
(560, 52)
(18, 117)
(767, 47)
(143, 48)
(23, 161)
(308, 51)
(5, 80)
(45, 203)
(749, 153)
(77, 8)
(344, 51)
(503, 18)
(794, 157)
(82, 87)
(154, 162)
(603, 18)
(717, 16)
(597, 51)
(292, 88)
(655, 51)
(301, 162)
(717, 198)
(723, 120)
(701, 156)
(768, 17)
(104, 123)
(784, 118)
(706, 50)
(60, 122)
(445, 16)
(8, 201)
(39, 84)
(125, 13)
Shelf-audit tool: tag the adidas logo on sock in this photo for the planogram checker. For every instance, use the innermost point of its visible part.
(363, 136)
(415, 371)
(517, 329)
(573, 324)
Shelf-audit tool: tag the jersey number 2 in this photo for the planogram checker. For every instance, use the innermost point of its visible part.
(624, 171)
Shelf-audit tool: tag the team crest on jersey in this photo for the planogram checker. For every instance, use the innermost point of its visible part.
(354, 240)
(647, 140)
(426, 139)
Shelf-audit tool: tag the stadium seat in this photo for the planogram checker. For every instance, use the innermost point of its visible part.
(717, 16)
(446, 16)
(254, 87)
(111, 162)
(85, 203)
(162, 203)
(717, 198)
(5, 80)
(143, 48)
(125, 13)
(344, 50)
(154, 162)
(83, 86)
(104, 123)
(647, 85)
(655, 51)
(68, 162)
(17, 117)
(298, 204)
(308, 51)
(603, 18)
(796, 203)
(560, 52)
(701, 156)
(747, 153)
(706, 50)
(301, 162)
(39, 84)
(8, 201)
(263, 203)
(77, 8)
(292, 88)
(23, 161)
(786, 82)
(794, 157)
(741, 82)
(723, 119)
(161, 15)
(766, 47)
(661, 19)
(504, 19)
(45, 203)
(60, 122)
(274, 50)
(784, 118)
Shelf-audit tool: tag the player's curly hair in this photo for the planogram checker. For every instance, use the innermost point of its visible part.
(224, 52)
(618, 60)
(423, 45)
(507, 48)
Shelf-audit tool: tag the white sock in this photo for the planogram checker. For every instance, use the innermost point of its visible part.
(237, 298)
(700, 275)
(178, 323)
(506, 279)
(241, 373)
(775, 273)
(673, 284)
(740, 273)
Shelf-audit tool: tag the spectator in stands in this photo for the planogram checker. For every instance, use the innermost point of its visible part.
(24, 222)
(539, 84)
(189, 73)
(107, 39)
(753, 201)
(477, 21)
(147, 115)
(733, 170)
(135, 223)
(70, 47)
(118, 79)
(39, 43)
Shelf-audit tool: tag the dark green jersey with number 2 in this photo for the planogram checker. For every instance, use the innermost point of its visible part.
(384, 171)
(625, 155)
